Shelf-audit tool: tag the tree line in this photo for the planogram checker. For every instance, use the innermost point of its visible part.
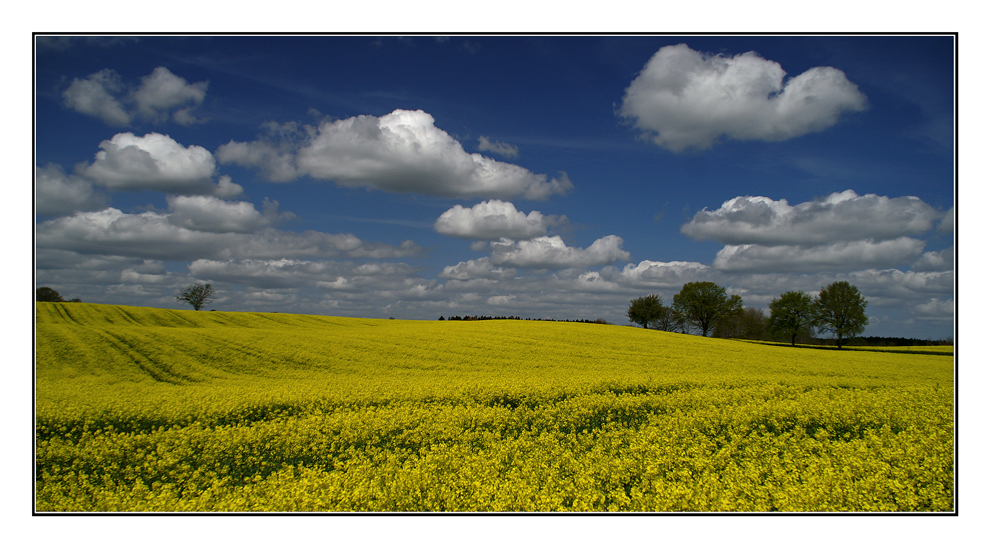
(705, 308)
(480, 318)
(196, 295)
(701, 307)
(49, 295)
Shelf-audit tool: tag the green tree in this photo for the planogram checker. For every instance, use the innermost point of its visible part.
(745, 323)
(840, 309)
(791, 314)
(702, 304)
(47, 295)
(643, 310)
(197, 295)
(729, 323)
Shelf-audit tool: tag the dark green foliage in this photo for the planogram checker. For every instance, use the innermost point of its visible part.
(748, 324)
(47, 295)
(841, 310)
(791, 314)
(703, 304)
(644, 310)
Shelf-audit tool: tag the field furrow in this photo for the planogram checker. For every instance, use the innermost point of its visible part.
(181, 411)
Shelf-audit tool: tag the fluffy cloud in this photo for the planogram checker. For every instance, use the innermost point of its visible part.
(841, 256)
(686, 99)
(493, 220)
(94, 96)
(839, 232)
(352, 286)
(159, 96)
(658, 275)
(156, 162)
(274, 153)
(399, 152)
(161, 91)
(277, 163)
(186, 235)
(268, 274)
(109, 279)
(841, 216)
(475, 269)
(948, 222)
(61, 194)
(501, 300)
(552, 252)
(209, 214)
(937, 309)
(893, 284)
(936, 261)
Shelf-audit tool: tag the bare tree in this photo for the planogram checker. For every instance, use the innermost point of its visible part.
(668, 320)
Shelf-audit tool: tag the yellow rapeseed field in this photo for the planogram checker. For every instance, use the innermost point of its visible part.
(149, 410)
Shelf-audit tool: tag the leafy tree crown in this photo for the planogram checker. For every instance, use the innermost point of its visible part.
(645, 310)
(840, 309)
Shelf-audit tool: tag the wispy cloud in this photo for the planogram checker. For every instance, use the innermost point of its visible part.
(497, 147)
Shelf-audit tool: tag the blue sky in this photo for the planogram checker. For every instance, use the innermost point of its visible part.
(534, 176)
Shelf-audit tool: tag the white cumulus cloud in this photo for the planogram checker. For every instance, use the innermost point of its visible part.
(400, 152)
(94, 96)
(156, 162)
(948, 222)
(277, 163)
(209, 214)
(687, 99)
(841, 256)
(658, 274)
(160, 96)
(474, 269)
(278, 273)
(937, 308)
(894, 283)
(936, 261)
(839, 232)
(161, 91)
(841, 216)
(61, 194)
(501, 300)
(493, 220)
(187, 235)
(552, 252)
